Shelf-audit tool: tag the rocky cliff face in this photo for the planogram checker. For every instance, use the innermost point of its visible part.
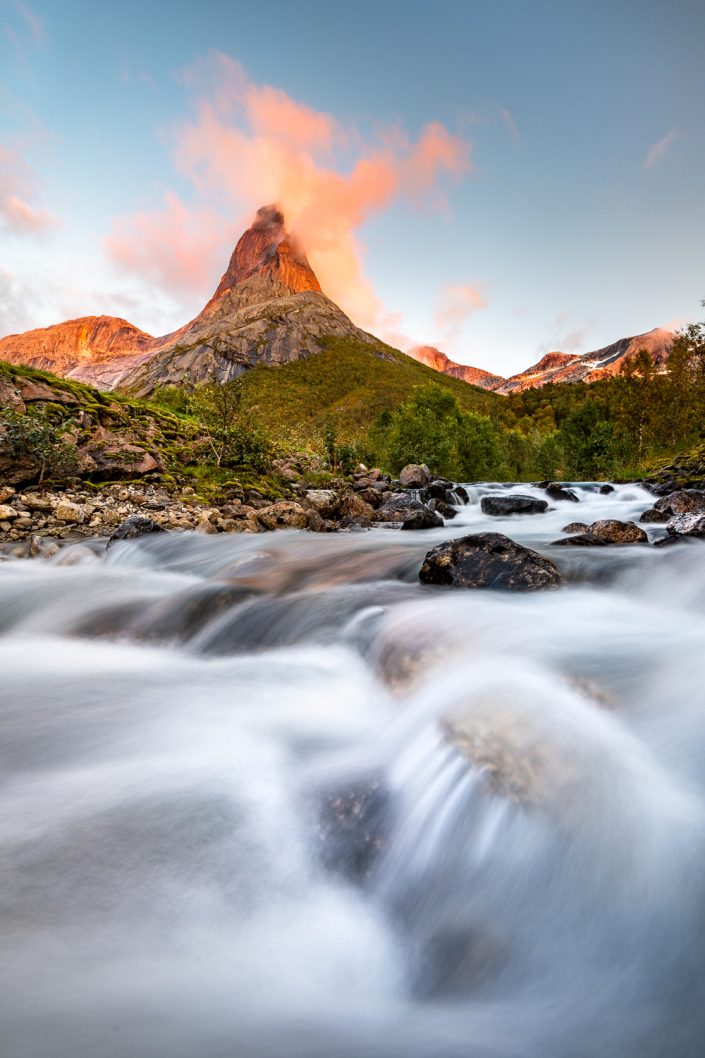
(268, 308)
(432, 357)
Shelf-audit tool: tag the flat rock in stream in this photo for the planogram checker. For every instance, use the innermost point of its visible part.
(501, 506)
(488, 561)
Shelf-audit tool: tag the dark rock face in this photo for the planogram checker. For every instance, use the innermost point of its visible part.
(134, 526)
(560, 493)
(488, 561)
(654, 516)
(500, 506)
(691, 524)
(605, 490)
(684, 501)
(605, 532)
(423, 519)
(575, 527)
(461, 493)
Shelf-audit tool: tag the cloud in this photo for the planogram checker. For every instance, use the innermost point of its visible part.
(175, 248)
(565, 339)
(509, 122)
(456, 303)
(659, 150)
(17, 188)
(247, 145)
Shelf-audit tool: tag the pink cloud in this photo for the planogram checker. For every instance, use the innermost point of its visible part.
(17, 188)
(456, 304)
(177, 248)
(247, 145)
(659, 150)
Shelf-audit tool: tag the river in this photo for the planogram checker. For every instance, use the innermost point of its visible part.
(268, 797)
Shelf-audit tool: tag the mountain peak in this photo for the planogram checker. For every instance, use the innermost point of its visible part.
(267, 248)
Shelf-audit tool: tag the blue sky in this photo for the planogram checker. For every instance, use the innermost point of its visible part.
(571, 213)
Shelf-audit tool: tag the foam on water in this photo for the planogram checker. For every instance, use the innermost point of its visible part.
(269, 796)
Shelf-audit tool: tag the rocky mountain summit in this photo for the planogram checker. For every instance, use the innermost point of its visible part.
(267, 309)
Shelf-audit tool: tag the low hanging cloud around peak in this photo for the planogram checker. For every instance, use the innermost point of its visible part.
(246, 144)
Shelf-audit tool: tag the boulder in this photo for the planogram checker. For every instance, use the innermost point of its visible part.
(501, 506)
(461, 493)
(66, 511)
(488, 561)
(423, 519)
(682, 501)
(323, 501)
(6, 493)
(605, 490)
(7, 513)
(415, 476)
(444, 509)
(575, 527)
(397, 508)
(352, 505)
(560, 493)
(283, 515)
(133, 527)
(605, 532)
(655, 517)
(691, 524)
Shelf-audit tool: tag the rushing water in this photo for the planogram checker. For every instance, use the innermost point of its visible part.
(267, 796)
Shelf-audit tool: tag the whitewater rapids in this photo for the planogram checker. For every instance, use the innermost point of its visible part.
(268, 797)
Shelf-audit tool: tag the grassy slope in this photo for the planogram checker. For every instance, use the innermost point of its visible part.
(348, 385)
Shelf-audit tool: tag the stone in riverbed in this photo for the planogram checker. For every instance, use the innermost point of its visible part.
(604, 532)
(575, 527)
(500, 506)
(283, 515)
(691, 524)
(605, 490)
(133, 527)
(415, 476)
(652, 516)
(398, 508)
(488, 561)
(559, 492)
(423, 519)
(683, 501)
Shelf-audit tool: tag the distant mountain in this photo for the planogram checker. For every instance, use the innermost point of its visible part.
(556, 367)
(268, 308)
(432, 357)
(591, 367)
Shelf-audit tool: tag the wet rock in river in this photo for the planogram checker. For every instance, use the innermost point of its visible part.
(423, 519)
(691, 524)
(488, 561)
(575, 527)
(654, 517)
(353, 826)
(561, 493)
(133, 527)
(500, 506)
(605, 532)
(682, 501)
